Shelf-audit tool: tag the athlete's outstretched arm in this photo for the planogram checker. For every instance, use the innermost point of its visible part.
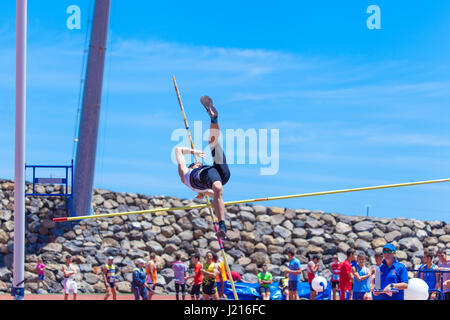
(179, 154)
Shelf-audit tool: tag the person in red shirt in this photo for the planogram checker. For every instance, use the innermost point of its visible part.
(346, 276)
(197, 276)
(335, 270)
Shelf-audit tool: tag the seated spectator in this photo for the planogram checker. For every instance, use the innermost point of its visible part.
(264, 280)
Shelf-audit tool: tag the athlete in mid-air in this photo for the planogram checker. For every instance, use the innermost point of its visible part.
(207, 180)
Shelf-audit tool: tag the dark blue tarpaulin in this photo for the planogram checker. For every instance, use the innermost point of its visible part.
(250, 291)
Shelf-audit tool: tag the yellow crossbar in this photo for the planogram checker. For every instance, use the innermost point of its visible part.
(302, 195)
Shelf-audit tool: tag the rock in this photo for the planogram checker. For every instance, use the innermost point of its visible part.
(317, 241)
(364, 226)
(259, 210)
(247, 216)
(275, 210)
(263, 228)
(378, 242)
(343, 228)
(445, 238)
(260, 258)
(365, 235)
(312, 223)
(430, 241)
(282, 232)
(277, 219)
(362, 245)
(4, 238)
(411, 244)
(201, 224)
(393, 236)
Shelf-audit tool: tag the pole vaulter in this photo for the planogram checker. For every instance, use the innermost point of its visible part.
(225, 260)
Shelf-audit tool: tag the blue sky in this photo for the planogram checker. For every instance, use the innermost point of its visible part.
(355, 107)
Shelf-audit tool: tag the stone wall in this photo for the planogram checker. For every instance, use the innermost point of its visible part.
(257, 235)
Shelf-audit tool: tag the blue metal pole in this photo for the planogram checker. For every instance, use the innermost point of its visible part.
(90, 115)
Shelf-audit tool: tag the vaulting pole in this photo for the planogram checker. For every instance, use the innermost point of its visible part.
(229, 203)
(19, 156)
(211, 211)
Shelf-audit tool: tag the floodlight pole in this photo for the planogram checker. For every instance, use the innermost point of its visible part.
(19, 153)
(90, 115)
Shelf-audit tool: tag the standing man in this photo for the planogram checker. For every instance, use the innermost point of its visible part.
(138, 285)
(362, 274)
(378, 261)
(391, 275)
(293, 273)
(207, 180)
(335, 271)
(151, 270)
(264, 280)
(179, 270)
(444, 265)
(431, 278)
(346, 276)
(221, 276)
(109, 278)
(197, 276)
(312, 269)
(209, 271)
(70, 286)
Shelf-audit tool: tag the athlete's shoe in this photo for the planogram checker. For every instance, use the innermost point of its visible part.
(208, 104)
(222, 232)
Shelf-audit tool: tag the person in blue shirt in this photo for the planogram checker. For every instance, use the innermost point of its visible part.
(391, 278)
(431, 278)
(293, 273)
(138, 285)
(361, 283)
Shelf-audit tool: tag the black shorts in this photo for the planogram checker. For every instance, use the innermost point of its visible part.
(195, 290)
(264, 290)
(111, 284)
(334, 284)
(219, 171)
(209, 288)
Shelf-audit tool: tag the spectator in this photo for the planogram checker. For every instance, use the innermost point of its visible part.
(431, 278)
(444, 265)
(109, 278)
(264, 280)
(312, 268)
(139, 287)
(346, 276)
(236, 276)
(293, 272)
(197, 277)
(151, 272)
(221, 277)
(378, 261)
(40, 267)
(335, 271)
(361, 283)
(391, 275)
(210, 270)
(179, 270)
(283, 286)
(70, 286)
